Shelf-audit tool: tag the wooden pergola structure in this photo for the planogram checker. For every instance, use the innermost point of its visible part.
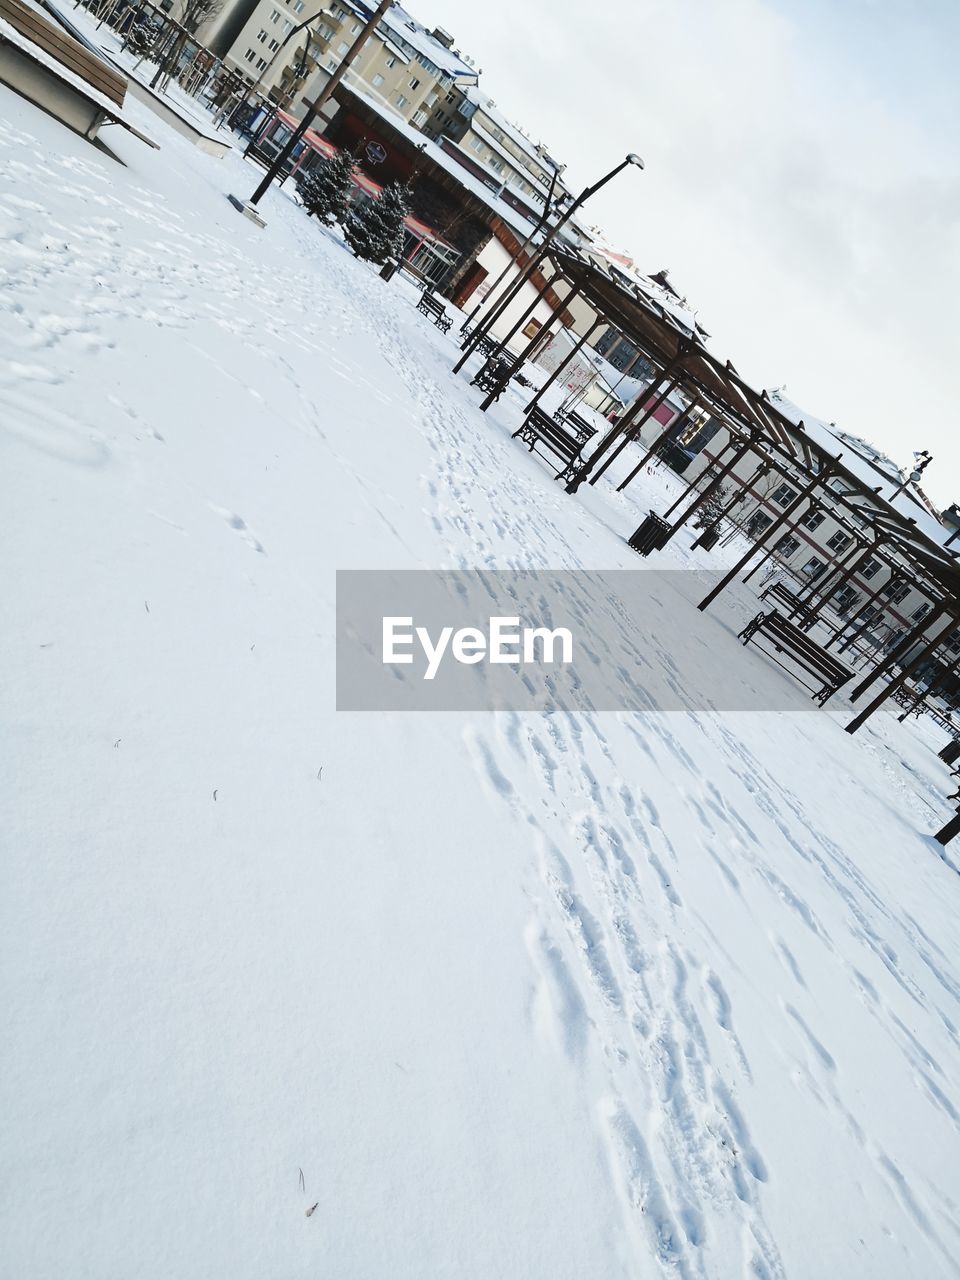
(755, 426)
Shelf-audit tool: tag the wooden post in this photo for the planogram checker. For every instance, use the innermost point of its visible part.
(830, 583)
(741, 448)
(905, 642)
(560, 368)
(634, 430)
(538, 337)
(901, 679)
(623, 425)
(802, 496)
(952, 828)
(948, 669)
(877, 592)
(671, 429)
(470, 347)
(761, 471)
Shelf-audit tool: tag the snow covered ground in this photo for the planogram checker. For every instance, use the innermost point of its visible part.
(502, 996)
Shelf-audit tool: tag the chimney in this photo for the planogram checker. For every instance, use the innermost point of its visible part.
(442, 37)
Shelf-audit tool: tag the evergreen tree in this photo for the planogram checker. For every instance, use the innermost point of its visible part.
(375, 231)
(712, 510)
(325, 189)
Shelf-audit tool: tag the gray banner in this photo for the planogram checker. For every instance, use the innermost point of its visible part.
(424, 640)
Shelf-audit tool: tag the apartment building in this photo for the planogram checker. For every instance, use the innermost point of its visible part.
(404, 67)
(470, 121)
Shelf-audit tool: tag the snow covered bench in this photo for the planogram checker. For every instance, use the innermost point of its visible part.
(492, 377)
(581, 427)
(538, 428)
(45, 64)
(434, 310)
(787, 638)
(780, 591)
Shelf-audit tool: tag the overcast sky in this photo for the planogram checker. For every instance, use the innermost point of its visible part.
(802, 181)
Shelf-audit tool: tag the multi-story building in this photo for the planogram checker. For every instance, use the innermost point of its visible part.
(468, 122)
(404, 66)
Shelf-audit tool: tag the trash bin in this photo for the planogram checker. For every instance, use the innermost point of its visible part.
(951, 752)
(389, 269)
(652, 535)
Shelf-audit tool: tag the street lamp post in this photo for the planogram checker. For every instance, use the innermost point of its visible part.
(548, 205)
(921, 460)
(253, 89)
(249, 207)
(541, 252)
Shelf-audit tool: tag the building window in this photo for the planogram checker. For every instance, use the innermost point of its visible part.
(868, 613)
(286, 28)
(250, 55)
(420, 118)
(262, 36)
(391, 61)
(377, 81)
(845, 598)
(783, 496)
(920, 613)
(273, 46)
(324, 31)
(840, 541)
(261, 64)
(895, 592)
(757, 523)
(275, 16)
(356, 28)
(869, 568)
(342, 47)
(414, 83)
(813, 521)
(297, 6)
(787, 545)
(401, 100)
(814, 567)
(953, 642)
(477, 144)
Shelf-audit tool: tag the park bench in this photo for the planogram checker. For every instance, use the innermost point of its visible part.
(434, 310)
(538, 428)
(493, 377)
(780, 591)
(787, 638)
(580, 426)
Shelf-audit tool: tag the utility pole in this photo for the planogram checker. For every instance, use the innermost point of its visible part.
(326, 93)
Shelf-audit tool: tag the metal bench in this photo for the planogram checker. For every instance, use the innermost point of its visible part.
(434, 310)
(787, 638)
(579, 425)
(538, 428)
(780, 591)
(493, 377)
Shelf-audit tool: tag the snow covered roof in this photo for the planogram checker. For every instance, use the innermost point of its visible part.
(489, 108)
(877, 472)
(405, 28)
